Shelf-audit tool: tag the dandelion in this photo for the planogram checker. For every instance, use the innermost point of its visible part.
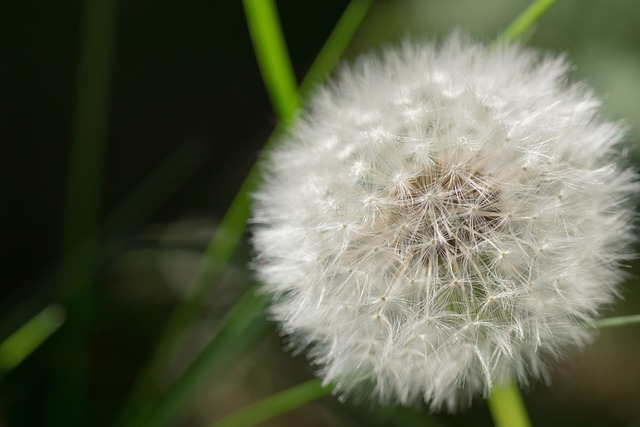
(442, 220)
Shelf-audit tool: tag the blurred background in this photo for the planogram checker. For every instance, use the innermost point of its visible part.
(187, 115)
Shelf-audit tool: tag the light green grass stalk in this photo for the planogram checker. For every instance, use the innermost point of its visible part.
(271, 51)
(19, 345)
(525, 21)
(275, 405)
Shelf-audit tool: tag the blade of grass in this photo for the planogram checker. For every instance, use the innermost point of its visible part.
(272, 55)
(230, 230)
(19, 345)
(507, 408)
(68, 397)
(525, 20)
(336, 44)
(275, 405)
(242, 326)
(614, 322)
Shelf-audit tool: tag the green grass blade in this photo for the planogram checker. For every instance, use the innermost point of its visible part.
(275, 405)
(68, 396)
(336, 44)
(227, 235)
(614, 322)
(244, 323)
(272, 55)
(19, 345)
(507, 407)
(525, 20)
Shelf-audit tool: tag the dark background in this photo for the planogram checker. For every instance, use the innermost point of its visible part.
(185, 84)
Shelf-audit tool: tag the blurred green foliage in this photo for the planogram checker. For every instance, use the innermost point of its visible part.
(185, 75)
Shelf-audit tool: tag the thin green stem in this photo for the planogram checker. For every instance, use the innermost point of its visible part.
(68, 397)
(273, 58)
(336, 44)
(19, 345)
(525, 20)
(228, 234)
(507, 407)
(275, 405)
(614, 322)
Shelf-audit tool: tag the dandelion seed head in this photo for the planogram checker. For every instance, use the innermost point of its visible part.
(443, 219)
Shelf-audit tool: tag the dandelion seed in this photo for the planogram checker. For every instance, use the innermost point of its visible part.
(443, 219)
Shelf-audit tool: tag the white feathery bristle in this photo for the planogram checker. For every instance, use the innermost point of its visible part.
(443, 219)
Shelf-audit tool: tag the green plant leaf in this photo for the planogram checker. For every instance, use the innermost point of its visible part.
(272, 55)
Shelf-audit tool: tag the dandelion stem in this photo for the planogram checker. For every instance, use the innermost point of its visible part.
(505, 402)
(525, 20)
(507, 407)
(613, 322)
(275, 405)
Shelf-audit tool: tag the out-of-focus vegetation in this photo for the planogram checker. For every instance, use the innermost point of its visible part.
(187, 117)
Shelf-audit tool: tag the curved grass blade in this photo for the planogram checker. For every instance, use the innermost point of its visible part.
(275, 405)
(525, 20)
(335, 45)
(19, 345)
(272, 55)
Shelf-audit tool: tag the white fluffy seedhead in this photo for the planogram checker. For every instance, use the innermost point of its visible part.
(442, 220)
